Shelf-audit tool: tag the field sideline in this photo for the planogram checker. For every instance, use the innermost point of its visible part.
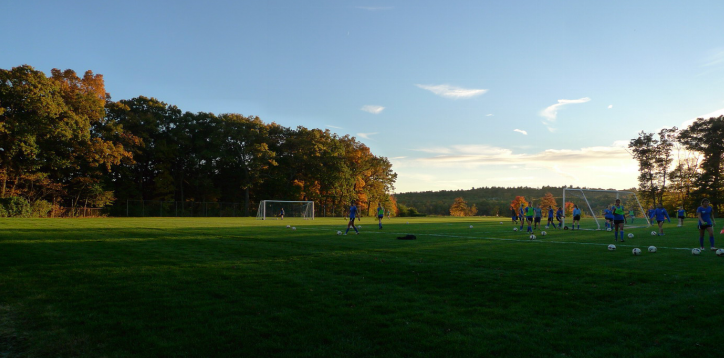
(231, 287)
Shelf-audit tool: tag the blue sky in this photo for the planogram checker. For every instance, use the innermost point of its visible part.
(457, 94)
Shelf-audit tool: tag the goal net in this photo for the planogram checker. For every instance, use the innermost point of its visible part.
(289, 209)
(593, 204)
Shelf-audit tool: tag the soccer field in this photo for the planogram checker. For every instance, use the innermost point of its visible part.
(230, 287)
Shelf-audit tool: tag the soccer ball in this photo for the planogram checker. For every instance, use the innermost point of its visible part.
(288, 226)
(359, 226)
(652, 249)
(636, 251)
(294, 228)
(630, 236)
(611, 247)
(608, 229)
(546, 226)
(695, 251)
(565, 227)
(471, 226)
(543, 233)
(515, 229)
(653, 233)
(720, 252)
(501, 223)
(339, 233)
(407, 222)
(532, 237)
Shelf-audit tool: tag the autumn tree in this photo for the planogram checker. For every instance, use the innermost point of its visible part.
(548, 200)
(705, 137)
(459, 207)
(517, 203)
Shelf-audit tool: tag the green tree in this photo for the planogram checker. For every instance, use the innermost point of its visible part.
(705, 137)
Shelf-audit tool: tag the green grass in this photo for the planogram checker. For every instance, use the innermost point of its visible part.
(229, 287)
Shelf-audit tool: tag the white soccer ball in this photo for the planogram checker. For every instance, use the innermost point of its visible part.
(630, 236)
(407, 222)
(636, 251)
(294, 228)
(720, 252)
(339, 233)
(695, 251)
(532, 237)
(515, 229)
(652, 249)
(471, 226)
(611, 247)
(609, 229)
(654, 233)
(501, 222)
(546, 226)
(288, 226)
(359, 226)
(543, 233)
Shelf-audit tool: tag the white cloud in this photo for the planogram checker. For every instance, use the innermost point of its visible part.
(520, 131)
(610, 106)
(449, 91)
(372, 109)
(714, 59)
(335, 127)
(489, 115)
(716, 113)
(551, 112)
(366, 135)
(564, 174)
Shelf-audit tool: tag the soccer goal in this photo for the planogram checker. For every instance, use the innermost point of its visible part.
(290, 209)
(594, 202)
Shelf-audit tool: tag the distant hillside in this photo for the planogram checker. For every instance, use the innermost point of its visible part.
(490, 201)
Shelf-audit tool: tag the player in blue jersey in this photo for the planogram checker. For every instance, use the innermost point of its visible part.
(521, 215)
(281, 213)
(550, 217)
(529, 213)
(619, 218)
(681, 214)
(560, 216)
(661, 214)
(538, 214)
(608, 215)
(576, 218)
(650, 213)
(352, 215)
(706, 223)
(514, 215)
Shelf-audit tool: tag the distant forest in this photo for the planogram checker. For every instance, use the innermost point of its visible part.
(489, 201)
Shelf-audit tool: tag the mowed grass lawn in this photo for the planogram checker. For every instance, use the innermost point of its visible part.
(230, 287)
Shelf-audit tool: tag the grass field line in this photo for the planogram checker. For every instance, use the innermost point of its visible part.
(514, 240)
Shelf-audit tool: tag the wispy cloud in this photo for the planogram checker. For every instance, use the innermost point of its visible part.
(335, 127)
(489, 115)
(372, 109)
(520, 131)
(714, 59)
(366, 135)
(375, 8)
(449, 91)
(551, 112)
(610, 106)
(716, 113)
(564, 174)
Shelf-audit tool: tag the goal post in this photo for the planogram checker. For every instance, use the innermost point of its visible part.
(593, 202)
(290, 208)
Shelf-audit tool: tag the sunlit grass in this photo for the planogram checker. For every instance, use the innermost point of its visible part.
(243, 287)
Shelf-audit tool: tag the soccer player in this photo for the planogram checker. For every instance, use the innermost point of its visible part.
(660, 213)
(560, 216)
(706, 223)
(352, 215)
(631, 214)
(514, 215)
(608, 214)
(650, 213)
(529, 212)
(538, 215)
(619, 218)
(576, 217)
(281, 213)
(681, 214)
(550, 217)
(521, 215)
(380, 214)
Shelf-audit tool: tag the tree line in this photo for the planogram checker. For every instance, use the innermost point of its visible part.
(63, 141)
(680, 167)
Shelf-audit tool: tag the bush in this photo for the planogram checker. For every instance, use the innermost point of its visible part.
(15, 206)
(40, 209)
